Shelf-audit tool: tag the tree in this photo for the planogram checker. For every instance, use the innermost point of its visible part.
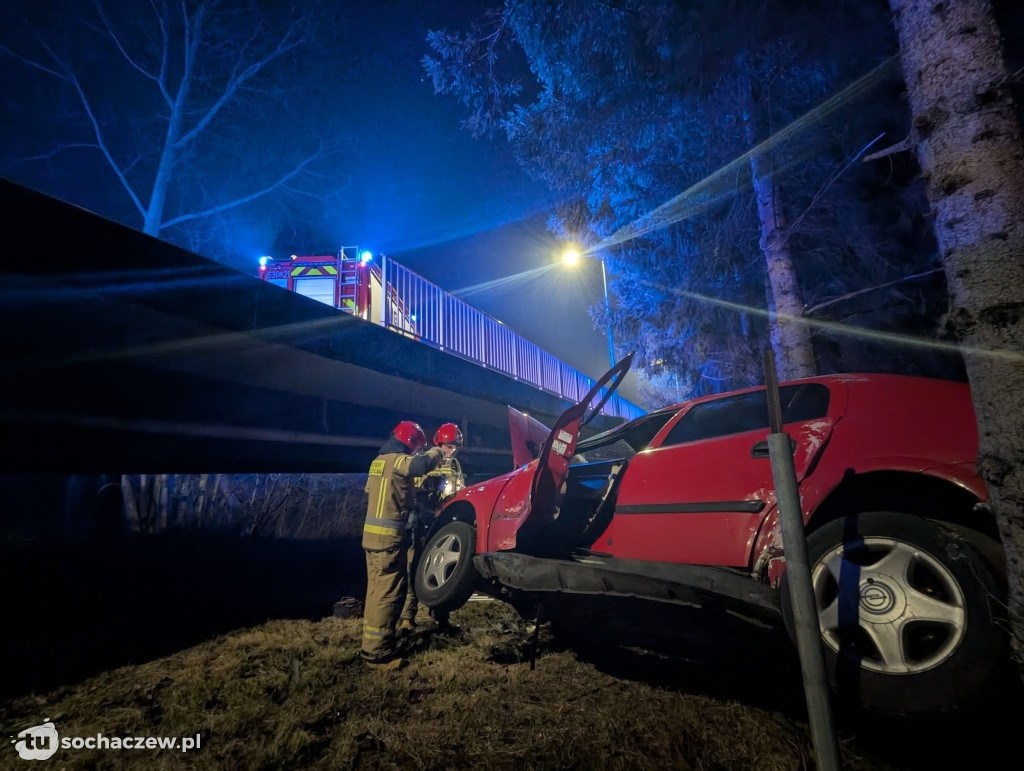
(586, 131)
(968, 142)
(635, 102)
(184, 131)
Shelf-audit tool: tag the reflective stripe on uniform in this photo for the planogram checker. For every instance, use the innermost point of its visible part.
(374, 631)
(381, 497)
(390, 496)
(389, 521)
(379, 530)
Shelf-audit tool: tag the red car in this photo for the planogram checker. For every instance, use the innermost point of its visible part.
(678, 506)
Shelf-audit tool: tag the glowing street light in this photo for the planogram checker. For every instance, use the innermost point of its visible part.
(572, 257)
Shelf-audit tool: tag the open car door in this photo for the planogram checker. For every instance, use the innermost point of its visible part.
(532, 497)
(560, 445)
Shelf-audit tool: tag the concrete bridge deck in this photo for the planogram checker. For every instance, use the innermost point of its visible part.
(124, 354)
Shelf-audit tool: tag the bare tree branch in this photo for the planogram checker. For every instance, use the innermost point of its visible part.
(287, 43)
(131, 165)
(69, 76)
(239, 201)
(61, 148)
(828, 183)
(104, 149)
(192, 38)
(847, 296)
(899, 147)
(165, 49)
(33, 63)
(307, 193)
(242, 50)
(128, 57)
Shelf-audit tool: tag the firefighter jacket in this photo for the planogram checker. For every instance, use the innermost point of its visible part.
(391, 494)
(443, 481)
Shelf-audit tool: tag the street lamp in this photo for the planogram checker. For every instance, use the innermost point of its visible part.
(572, 257)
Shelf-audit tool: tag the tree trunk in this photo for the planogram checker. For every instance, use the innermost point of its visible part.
(153, 221)
(199, 510)
(155, 210)
(968, 143)
(145, 501)
(791, 340)
(160, 502)
(131, 505)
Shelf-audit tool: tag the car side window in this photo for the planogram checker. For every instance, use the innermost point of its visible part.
(748, 412)
(623, 442)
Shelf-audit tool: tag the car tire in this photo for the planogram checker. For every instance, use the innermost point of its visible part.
(917, 628)
(445, 575)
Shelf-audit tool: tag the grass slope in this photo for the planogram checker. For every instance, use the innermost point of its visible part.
(294, 694)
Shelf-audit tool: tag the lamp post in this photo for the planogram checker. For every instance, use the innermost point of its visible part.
(572, 257)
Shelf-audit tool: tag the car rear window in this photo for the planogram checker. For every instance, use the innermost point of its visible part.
(748, 412)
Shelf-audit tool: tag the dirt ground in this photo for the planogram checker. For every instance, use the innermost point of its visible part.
(233, 641)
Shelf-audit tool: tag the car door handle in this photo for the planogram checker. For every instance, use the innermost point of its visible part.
(760, 449)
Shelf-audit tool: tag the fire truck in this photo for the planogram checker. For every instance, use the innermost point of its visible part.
(350, 281)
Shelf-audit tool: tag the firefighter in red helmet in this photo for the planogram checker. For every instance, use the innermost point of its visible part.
(443, 481)
(449, 433)
(391, 496)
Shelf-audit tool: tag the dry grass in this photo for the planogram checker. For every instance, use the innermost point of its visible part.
(293, 694)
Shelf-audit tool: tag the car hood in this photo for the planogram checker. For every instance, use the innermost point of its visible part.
(527, 435)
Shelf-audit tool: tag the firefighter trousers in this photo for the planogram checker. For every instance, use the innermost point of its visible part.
(386, 588)
(412, 604)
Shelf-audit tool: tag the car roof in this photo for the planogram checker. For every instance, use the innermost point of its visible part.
(848, 378)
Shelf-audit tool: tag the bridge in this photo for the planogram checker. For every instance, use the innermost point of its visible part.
(124, 354)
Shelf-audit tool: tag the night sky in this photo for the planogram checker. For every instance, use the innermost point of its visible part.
(454, 208)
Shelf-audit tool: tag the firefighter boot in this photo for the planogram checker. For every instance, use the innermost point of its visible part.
(390, 665)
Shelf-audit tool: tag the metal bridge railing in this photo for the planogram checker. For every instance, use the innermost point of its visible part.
(415, 307)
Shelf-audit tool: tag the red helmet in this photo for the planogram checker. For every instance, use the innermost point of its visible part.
(448, 434)
(410, 434)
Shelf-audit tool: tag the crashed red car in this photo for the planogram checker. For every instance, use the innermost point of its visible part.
(678, 507)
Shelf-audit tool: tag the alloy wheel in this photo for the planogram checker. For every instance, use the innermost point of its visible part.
(889, 603)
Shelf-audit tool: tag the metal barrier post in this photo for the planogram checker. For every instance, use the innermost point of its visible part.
(384, 291)
(798, 576)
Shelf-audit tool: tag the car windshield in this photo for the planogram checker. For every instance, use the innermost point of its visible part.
(623, 442)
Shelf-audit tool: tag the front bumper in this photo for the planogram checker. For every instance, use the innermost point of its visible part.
(695, 586)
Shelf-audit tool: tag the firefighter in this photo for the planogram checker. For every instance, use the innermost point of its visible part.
(432, 488)
(389, 487)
